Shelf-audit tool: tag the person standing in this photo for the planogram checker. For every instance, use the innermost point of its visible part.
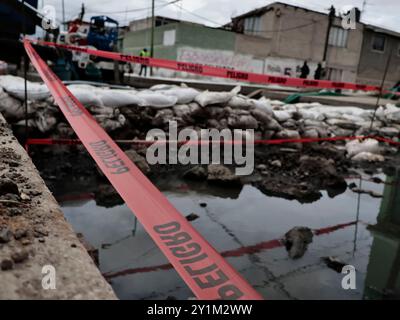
(144, 54)
(305, 71)
(318, 72)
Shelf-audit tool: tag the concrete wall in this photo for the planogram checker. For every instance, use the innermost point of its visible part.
(373, 63)
(293, 34)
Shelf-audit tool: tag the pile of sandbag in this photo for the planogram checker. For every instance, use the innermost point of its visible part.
(116, 108)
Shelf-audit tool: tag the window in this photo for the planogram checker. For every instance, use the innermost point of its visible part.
(169, 38)
(378, 43)
(338, 37)
(252, 26)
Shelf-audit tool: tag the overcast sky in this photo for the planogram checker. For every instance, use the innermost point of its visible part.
(384, 13)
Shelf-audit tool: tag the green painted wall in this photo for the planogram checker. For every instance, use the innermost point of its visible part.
(134, 42)
(192, 35)
(187, 35)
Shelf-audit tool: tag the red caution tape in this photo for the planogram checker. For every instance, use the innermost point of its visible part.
(203, 269)
(204, 70)
(256, 142)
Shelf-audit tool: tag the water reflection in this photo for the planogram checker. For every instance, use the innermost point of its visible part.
(247, 226)
(382, 280)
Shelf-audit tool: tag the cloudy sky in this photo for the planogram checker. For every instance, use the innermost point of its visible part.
(382, 13)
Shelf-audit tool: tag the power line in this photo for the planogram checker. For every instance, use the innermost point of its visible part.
(135, 10)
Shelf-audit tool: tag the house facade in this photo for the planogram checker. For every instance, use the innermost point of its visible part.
(276, 39)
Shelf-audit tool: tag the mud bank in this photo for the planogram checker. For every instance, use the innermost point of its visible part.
(34, 234)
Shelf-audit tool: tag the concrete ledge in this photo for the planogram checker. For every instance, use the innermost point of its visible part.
(34, 233)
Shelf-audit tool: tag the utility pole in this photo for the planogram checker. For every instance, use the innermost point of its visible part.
(331, 17)
(63, 13)
(153, 26)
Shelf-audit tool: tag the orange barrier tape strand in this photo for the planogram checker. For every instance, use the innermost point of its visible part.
(215, 71)
(207, 274)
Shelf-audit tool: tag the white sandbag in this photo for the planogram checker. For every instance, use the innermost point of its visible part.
(119, 98)
(242, 122)
(10, 107)
(181, 110)
(156, 100)
(368, 157)
(159, 87)
(111, 124)
(263, 105)
(389, 132)
(282, 116)
(15, 86)
(345, 124)
(86, 95)
(184, 95)
(311, 133)
(240, 102)
(101, 110)
(356, 147)
(392, 113)
(288, 134)
(311, 115)
(210, 98)
(45, 122)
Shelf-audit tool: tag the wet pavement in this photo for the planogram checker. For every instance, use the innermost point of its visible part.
(246, 226)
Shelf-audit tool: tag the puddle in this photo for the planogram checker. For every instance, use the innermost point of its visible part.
(245, 225)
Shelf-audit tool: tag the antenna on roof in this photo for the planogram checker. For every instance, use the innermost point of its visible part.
(364, 6)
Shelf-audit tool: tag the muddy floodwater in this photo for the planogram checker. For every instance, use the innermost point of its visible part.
(246, 226)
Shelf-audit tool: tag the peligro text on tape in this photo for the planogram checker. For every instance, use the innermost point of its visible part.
(217, 72)
(208, 275)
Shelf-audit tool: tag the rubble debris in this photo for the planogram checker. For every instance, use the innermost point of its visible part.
(198, 173)
(334, 263)
(106, 196)
(138, 160)
(192, 217)
(372, 193)
(297, 240)
(219, 174)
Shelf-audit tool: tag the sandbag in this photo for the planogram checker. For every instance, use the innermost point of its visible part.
(15, 86)
(10, 107)
(282, 116)
(263, 105)
(156, 100)
(86, 95)
(240, 102)
(356, 147)
(368, 157)
(119, 98)
(211, 98)
(184, 95)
